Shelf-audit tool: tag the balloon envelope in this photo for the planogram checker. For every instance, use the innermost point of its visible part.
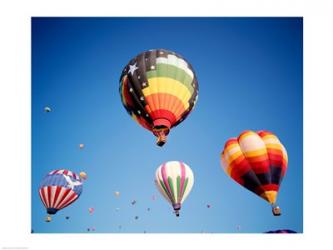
(47, 109)
(158, 88)
(257, 161)
(174, 180)
(83, 175)
(59, 189)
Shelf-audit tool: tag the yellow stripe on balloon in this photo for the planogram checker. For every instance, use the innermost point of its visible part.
(269, 196)
(231, 157)
(274, 146)
(169, 86)
(246, 134)
(269, 136)
(256, 153)
(231, 146)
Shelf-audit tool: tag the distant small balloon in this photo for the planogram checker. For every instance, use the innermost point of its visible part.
(148, 209)
(83, 175)
(47, 109)
(136, 217)
(81, 146)
(117, 193)
(67, 217)
(133, 202)
(91, 210)
(208, 205)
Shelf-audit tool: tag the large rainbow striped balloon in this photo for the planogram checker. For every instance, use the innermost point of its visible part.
(159, 89)
(257, 161)
(59, 189)
(174, 180)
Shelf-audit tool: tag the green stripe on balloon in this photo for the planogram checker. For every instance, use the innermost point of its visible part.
(171, 71)
(178, 188)
(172, 189)
(185, 185)
(165, 190)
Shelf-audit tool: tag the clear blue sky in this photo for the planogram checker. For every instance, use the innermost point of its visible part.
(250, 77)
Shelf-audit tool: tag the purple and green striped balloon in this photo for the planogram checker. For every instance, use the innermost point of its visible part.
(174, 180)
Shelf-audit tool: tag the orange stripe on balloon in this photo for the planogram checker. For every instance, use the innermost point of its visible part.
(151, 99)
(259, 158)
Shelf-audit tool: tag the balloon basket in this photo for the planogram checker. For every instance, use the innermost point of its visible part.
(161, 139)
(276, 211)
(48, 218)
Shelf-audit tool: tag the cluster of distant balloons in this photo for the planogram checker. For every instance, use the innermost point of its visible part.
(159, 89)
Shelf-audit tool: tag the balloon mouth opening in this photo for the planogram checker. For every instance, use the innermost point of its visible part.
(51, 210)
(161, 129)
(276, 210)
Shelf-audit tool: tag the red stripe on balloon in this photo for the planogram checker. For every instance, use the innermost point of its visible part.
(163, 114)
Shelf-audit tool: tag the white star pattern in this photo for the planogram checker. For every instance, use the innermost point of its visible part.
(132, 69)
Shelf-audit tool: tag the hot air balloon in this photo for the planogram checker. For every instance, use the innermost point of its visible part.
(174, 180)
(158, 88)
(91, 210)
(117, 194)
(81, 146)
(258, 162)
(83, 175)
(281, 231)
(58, 189)
(47, 109)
